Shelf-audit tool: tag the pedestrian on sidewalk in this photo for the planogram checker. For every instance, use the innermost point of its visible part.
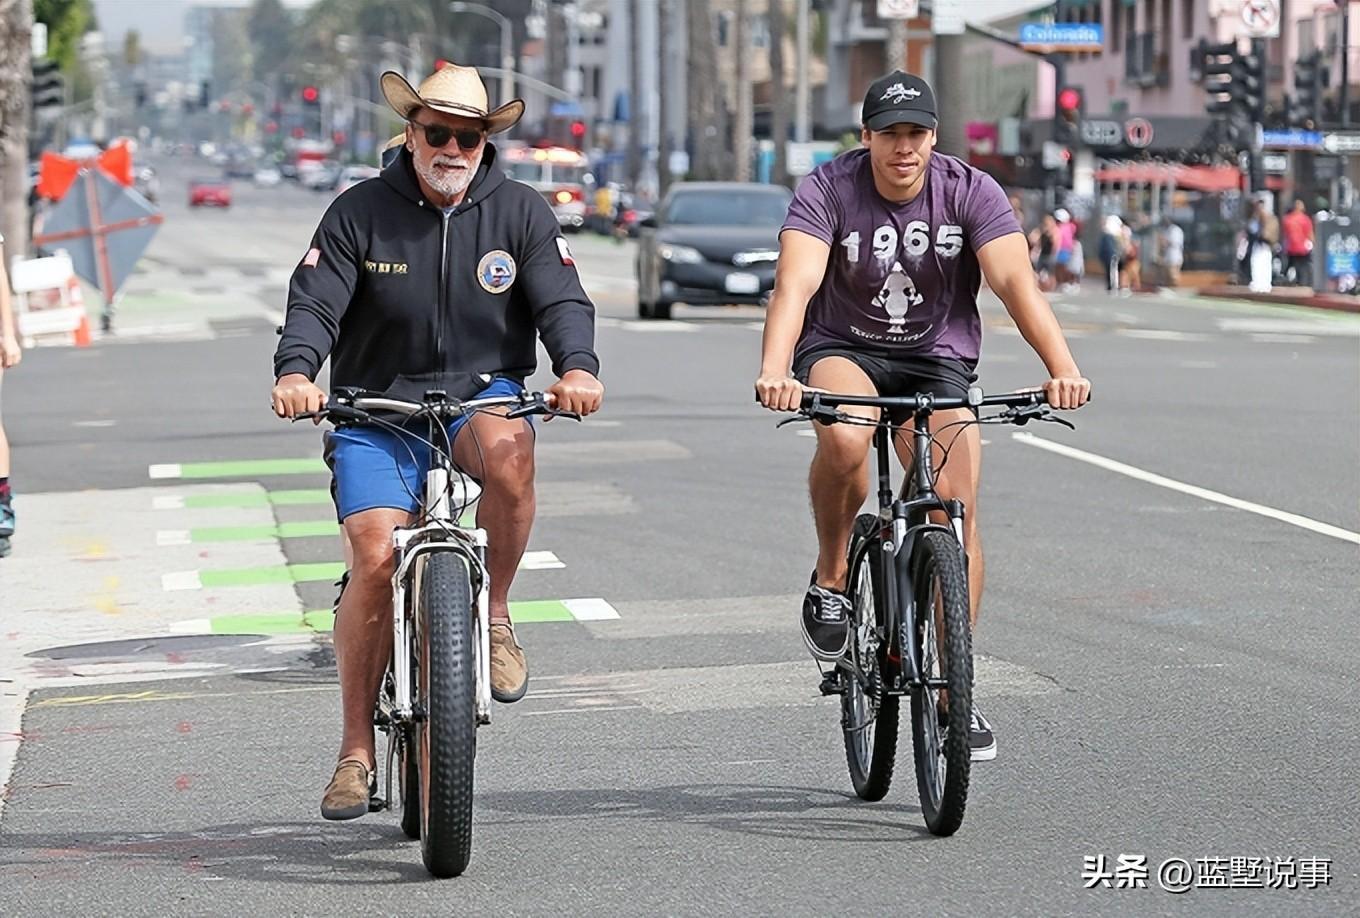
(1111, 251)
(1298, 244)
(1172, 241)
(1067, 240)
(1263, 233)
(10, 355)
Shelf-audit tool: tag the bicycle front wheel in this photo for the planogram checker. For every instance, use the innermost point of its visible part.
(940, 712)
(448, 732)
(868, 713)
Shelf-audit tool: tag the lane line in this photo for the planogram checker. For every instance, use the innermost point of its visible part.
(1217, 497)
(590, 610)
(533, 612)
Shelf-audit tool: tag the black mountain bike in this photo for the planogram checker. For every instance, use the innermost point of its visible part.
(908, 589)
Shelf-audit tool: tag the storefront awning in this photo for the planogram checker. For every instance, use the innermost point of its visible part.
(1193, 178)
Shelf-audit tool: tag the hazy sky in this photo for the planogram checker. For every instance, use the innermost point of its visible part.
(161, 22)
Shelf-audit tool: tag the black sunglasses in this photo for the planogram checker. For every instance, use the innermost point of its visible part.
(438, 135)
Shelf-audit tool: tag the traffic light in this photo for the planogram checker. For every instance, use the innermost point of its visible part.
(311, 95)
(1070, 110)
(1234, 79)
(49, 87)
(1311, 77)
(578, 133)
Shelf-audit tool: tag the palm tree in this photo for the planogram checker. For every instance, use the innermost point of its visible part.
(16, 28)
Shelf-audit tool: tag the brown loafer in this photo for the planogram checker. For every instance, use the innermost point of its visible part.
(348, 793)
(509, 669)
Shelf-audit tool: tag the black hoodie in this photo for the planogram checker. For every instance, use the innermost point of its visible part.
(405, 299)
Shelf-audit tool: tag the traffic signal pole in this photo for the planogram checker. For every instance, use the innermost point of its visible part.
(1256, 177)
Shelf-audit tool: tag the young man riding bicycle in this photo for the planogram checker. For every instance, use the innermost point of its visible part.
(876, 294)
(434, 276)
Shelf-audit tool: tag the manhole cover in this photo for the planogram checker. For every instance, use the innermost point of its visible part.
(152, 646)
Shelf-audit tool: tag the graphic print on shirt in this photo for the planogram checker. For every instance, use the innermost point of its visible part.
(896, 298)
(894, 257)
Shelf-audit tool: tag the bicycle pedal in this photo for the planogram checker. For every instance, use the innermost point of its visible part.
(376, 804)
(831, 683)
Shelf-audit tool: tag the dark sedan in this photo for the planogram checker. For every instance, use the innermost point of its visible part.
(710, 243)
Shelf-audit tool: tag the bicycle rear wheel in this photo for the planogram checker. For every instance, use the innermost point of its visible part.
(868, 713)
(447, 735)
(940, 717)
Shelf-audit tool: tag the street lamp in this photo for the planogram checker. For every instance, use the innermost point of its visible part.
(507, 59)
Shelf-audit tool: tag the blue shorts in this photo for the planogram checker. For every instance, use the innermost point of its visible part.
(376, 467)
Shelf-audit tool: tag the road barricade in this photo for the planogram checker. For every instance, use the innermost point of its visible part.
(50, 306)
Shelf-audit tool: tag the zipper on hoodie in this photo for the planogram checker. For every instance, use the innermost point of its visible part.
(443, 288)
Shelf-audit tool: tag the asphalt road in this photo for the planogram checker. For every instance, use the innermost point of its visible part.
(1169, 670)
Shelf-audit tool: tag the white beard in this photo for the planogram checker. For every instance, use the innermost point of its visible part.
(447, 183)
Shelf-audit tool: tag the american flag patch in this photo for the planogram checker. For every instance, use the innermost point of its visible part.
(565, 252)
(313, 256)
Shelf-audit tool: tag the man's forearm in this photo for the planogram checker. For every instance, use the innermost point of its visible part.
(783, 325)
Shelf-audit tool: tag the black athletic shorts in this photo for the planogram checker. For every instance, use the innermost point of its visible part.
(943, 377)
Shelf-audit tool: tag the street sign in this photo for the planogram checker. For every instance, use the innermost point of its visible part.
(947, 17)
(1262, 18)
(1292, 140)
(105, 230)
(1062, 36)
(898, 9)
(1138, 132)
(1102, 133)
(1336, 142)
(1275, 163)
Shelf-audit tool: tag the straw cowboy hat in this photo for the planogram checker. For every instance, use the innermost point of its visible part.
(454, 90)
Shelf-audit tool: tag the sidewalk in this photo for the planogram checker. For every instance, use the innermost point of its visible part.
(1287, 296)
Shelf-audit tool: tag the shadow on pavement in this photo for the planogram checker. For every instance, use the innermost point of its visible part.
(295, 852)
(776, 812)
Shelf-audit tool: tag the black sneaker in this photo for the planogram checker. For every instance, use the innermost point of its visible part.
(826, 622)
(340, 592)
(980, 738)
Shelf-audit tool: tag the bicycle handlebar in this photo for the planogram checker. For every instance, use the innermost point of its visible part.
(357, 407)
(922, 402)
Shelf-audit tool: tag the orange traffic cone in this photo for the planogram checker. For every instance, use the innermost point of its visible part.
(77, 299)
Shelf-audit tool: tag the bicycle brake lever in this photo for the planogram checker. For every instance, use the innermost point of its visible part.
(1054, 419)
(793, 420)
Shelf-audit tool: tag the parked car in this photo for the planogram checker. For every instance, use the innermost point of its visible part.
(267, 177)
(710, 243)
(148, 183)
(214, 191)
(353, 175)
(321, 176)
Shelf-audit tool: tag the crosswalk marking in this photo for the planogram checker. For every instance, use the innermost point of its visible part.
(243, 468)
(290, 530)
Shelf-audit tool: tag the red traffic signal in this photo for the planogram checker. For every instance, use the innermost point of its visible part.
(578, 129)
(310, 95)
(1069, 99)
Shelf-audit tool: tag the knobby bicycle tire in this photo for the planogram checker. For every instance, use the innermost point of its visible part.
(942, 774)
(448, 732)
(408, 778)
(870, 749)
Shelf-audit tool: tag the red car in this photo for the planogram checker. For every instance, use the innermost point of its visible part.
(209, 191)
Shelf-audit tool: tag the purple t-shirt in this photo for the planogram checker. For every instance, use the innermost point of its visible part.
(901, 278)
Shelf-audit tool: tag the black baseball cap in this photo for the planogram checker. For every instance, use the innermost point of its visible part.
(898, 98)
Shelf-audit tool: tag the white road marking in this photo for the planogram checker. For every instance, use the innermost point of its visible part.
(1111, 465)
(1341, 328)
(582, 710)
(192, 626)
(1277, 338)
(108, 422)
(540, 561)
(1161, 334)
(590, 610)
(165, 470)
(181, 580)
(273, 316)
(167, 502)
(166, 537)
(671, 326)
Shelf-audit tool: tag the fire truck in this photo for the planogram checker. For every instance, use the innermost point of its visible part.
(560, 174)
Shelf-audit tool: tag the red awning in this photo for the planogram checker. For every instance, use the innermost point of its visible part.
(1195, 178)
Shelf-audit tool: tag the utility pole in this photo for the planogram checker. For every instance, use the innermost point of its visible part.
(707, 147)
(949, 95)
(803, 106)
(1344, 98)
(743, 126)
(635, 93)
(665, 41)
(779, 95)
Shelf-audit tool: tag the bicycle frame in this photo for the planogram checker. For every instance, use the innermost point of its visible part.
(903, 519)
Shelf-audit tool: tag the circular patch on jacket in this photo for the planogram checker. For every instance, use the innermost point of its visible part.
(496, 271)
